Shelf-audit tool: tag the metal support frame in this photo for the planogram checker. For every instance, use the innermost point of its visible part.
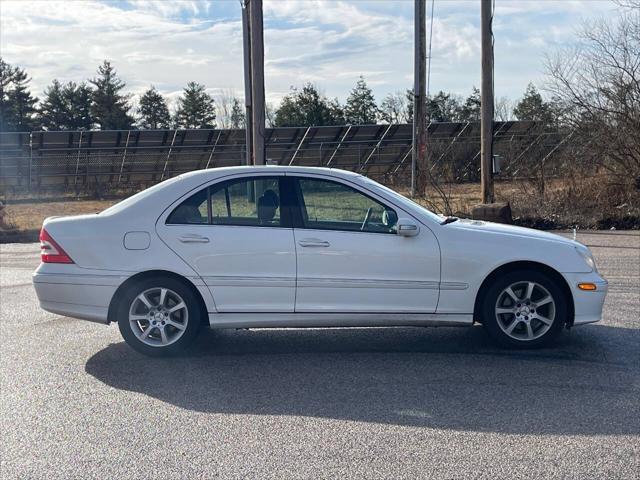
(339, 145)
(526, 150)
(299, 145)
(376, 147)
(30, 158)
(495, 135)
(345, 146)
(124, 155)
(567, 137)
(397, 167)
(213, 150)
(75, 178)
(166, 162)
(453, 140)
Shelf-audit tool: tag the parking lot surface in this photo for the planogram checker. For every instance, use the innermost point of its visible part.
(76, 402)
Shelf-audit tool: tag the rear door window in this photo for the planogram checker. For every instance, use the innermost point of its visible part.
(253, 201)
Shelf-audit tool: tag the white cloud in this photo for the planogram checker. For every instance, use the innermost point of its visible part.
(330, 43)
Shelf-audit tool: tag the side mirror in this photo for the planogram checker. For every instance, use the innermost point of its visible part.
(407, 228)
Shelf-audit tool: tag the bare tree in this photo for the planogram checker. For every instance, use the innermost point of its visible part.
(503, 110)
(270, 114)
(224, 103)
(598, 86)
(631, 4)
(394, 108)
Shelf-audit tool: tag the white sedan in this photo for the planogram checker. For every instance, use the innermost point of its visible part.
(251, 247)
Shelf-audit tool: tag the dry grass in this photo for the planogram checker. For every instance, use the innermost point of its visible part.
(587, 202)
(29, 216)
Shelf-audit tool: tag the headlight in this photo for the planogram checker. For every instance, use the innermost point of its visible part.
(586, 254)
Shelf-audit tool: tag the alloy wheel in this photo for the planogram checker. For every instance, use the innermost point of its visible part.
(525, 310)
(158, 317)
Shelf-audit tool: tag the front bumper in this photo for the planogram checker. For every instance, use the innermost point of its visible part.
(587, 304)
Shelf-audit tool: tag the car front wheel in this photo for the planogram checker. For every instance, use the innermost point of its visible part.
(159, 316)
(524, 309)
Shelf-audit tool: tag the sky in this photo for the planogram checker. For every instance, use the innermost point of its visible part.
(167, 43)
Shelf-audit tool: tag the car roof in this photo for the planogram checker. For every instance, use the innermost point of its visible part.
(212, 173)
(174, 188)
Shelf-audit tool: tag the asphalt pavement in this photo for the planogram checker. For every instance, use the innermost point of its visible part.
(76, 402)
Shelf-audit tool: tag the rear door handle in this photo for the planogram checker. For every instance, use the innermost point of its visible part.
(313, 242)
(193, 239)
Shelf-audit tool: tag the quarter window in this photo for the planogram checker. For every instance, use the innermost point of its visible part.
(328, 205)
(193, 211)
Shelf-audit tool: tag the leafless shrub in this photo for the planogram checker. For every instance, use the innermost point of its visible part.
(598, 84)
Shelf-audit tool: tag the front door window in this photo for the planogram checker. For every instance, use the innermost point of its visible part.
(328, 205)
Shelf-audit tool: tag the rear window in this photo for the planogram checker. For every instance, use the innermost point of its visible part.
(137, 197)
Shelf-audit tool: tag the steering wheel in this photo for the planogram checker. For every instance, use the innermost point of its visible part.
(367, 217)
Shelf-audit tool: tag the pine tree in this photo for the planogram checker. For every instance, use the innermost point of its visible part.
(110, 108)
(6, 77)
(308, 107)
(361, 108)
(533, 107)
(18, 105)
(153, 112)
(238, 119)
(66, 107)
(470, 110)
(78, 99)
(53, 112)
(335, 113)
(196, 108)
(410, 98)
(288, 113)
(444, 107)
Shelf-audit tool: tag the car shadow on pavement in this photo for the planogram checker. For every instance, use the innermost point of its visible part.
(445, 378)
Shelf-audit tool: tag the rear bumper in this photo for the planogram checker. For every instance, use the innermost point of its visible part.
(587, 304)
(86, 297)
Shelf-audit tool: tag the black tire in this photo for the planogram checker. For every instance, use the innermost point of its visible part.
(193, 323)
(489, 316)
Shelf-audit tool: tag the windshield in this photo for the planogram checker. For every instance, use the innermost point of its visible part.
(138, 196)
(404, 200)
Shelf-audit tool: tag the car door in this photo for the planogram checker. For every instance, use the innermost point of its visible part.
(237, 236)
(350, 257)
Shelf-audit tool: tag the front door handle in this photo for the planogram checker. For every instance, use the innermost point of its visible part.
(193, 239)
(313, 242)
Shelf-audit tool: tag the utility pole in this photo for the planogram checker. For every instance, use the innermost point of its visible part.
(419, 145)
(486, 103)
(248, 116)
(257, 81)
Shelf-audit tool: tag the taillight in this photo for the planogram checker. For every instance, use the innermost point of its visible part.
(50, 251)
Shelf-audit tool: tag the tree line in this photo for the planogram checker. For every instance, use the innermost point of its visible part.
(101, 103)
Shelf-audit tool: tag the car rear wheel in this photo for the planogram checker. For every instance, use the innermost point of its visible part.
(524, 309)
(159, 316)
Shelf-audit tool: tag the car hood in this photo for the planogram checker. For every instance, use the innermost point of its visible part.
(508, 230)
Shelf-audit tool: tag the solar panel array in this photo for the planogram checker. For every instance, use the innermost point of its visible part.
(63, 160)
